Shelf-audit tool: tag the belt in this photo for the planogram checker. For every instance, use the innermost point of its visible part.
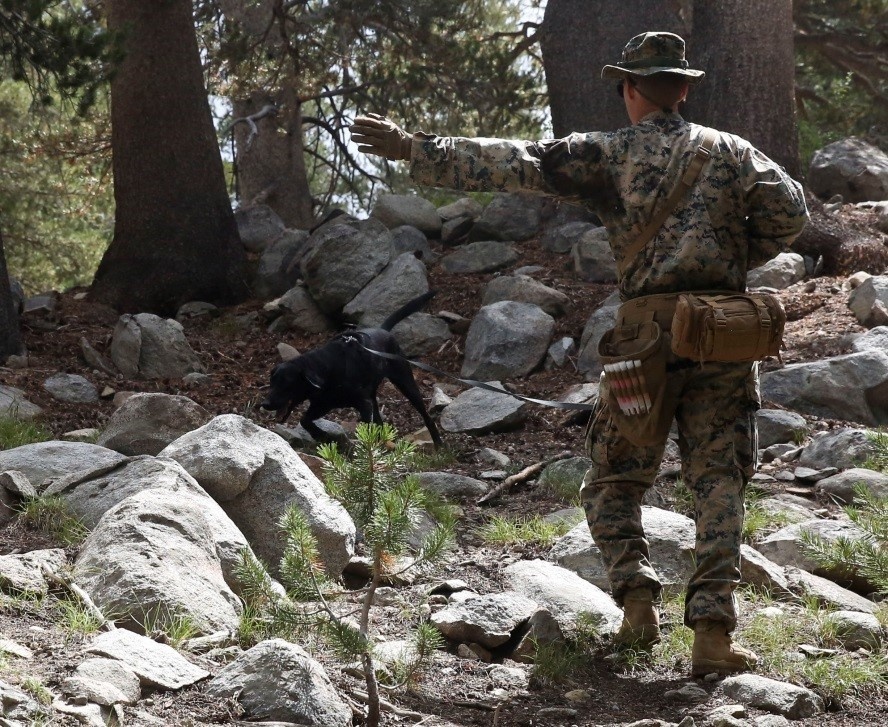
(659, 308)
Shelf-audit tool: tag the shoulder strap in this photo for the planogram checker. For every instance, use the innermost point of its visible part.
(701, 155)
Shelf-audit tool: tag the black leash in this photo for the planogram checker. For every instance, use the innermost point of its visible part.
(477, 384)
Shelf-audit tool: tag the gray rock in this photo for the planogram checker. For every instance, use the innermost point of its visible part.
(343, 258)
(45, 462)
(400, 282)
(146, 423)
(23, 572)
(486, 256)
(869, 301)
(851, 167)
(156, 665)
(524, 289)
(787, 699)
(478, 411)
(463, 207)
(71, 388)
(407, 238)
(603, 319)
(592, 257)
(756, 570)
(259, 226)
(299, 312)
(873, 339)
(17, 483)
(278, 680)
(256, 476)
(509, 217)
(148, 346)
(565, 475)
(777, 426)
(153, 558)
(851, 387)
(562, 238)
(112, 672)
(489, 620)
(452, 485)
(564, 594)
(841, 486)
(396, 210)
(559, 353)
(505, 340)
(421, 333)
(278, 268)
(827, 592)
(14, 405)
(856, 630)
(785, 546)
(842, 448)
(788, 268)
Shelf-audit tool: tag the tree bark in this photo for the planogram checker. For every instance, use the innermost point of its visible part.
(10, 334)
(271, 164)
(745, 47)
(581, 36)
(175, 237)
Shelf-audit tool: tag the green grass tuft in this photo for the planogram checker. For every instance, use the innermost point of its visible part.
(52, 516)
(15, 433)
(506, 531)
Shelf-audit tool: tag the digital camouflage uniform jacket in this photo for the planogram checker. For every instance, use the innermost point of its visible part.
(743, 211)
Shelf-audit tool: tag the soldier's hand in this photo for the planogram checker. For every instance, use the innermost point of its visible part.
(375, 134)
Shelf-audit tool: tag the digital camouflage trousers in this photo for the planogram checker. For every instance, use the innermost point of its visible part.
(718, 443)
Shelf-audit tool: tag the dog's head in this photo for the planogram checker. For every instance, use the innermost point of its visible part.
(292, 382)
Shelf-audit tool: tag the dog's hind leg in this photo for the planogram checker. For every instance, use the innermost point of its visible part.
(402, 377)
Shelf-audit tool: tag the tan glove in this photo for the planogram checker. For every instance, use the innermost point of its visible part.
(375, 134)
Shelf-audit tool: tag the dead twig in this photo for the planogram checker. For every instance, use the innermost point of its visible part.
(66, 582)
(387, 706)
(521, 476)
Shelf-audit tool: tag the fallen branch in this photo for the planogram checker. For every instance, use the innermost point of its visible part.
(66, 582)
(521, 476)
(387, 706)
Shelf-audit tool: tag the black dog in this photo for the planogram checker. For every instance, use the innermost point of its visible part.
(342, 373)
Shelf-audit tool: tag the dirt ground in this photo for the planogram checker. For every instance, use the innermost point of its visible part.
(239, 353)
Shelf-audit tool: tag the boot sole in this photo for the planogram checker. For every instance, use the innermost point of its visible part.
(723, 668)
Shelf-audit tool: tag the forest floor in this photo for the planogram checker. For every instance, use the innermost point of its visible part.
(239, 353)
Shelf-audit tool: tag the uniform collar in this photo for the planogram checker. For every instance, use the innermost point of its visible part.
(661, 117)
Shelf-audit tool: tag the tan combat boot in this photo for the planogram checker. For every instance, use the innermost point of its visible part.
(641, 622)
(714, 651)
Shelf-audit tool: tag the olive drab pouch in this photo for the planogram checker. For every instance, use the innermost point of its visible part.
(634, 359)
(727, 327)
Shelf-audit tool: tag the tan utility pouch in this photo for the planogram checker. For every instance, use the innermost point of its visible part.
(729, 327)
(634, 358)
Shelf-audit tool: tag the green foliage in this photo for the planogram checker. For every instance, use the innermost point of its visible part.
(75, 617)
(56, 205)
(534, 529)
(841, 73)
(55, 46)
(375, 485)
(176, 627)
(447, 65)
(16, 432)
(878, 460)
(52, 515)
(867, 556)
(36, 689)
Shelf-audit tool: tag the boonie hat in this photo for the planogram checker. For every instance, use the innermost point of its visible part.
(650, 53)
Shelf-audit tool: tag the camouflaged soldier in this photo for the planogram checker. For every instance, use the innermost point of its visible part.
(742, 211)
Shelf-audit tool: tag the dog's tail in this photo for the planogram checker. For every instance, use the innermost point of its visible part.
(406, 310)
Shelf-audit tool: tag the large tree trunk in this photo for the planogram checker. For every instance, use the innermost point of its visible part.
(581, 36)
(175, 237)
(745, 47)
(10, 336)
(271, 162)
